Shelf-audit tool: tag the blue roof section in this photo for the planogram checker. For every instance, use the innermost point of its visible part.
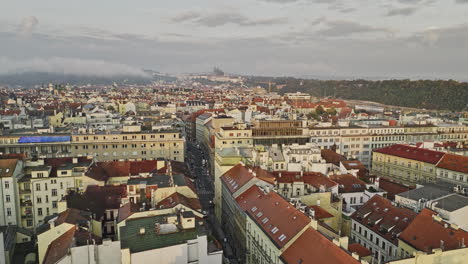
(44, 139)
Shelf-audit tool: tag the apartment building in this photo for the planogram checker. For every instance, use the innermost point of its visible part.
(35, 145)
(45, 183)
(269, 132)
(131, 144)
(234, 182)
(454, 169)
(406, 164)
(11, 171)
(376, 226)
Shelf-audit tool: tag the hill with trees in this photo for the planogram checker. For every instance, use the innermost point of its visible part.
(428, 94)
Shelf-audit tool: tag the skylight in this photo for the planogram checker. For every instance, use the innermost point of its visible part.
(282, 237)
(274, 230)
(254, 209)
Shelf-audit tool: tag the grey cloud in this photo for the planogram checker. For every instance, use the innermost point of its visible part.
(346, 28)
(186, 16)
(63, 65)
(406, 11)
(224, 18)
(439, 53)
(27, 25)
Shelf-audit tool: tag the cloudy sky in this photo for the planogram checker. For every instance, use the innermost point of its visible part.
(352, 38)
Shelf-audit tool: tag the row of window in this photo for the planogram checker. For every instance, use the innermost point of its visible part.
(133, 137)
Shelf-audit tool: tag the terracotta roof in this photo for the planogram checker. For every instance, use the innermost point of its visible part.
(278, 219)
(313, 247)
(413, 153)
(353, 164)
(359, 249)
(331, 157)
(393, 188)
(348, 183)
(71, 216)
(379, 215)
(241, 174)
(59, 247)
(102, 171)
(454, 163)
(320, 212)
(417, 235)
(7, 167)
(315, 179)
(177, 198)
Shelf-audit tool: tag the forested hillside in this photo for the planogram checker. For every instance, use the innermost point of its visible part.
(439, 94)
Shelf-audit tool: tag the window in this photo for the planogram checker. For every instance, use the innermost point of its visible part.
(61, 185)
(7, 185)
(40, 175)
(29, 222)
(7, 198)
(45, 186)
(38, 186)
(54, 204)
(39, 211)
(39, 199)
(54, 192)
(8, 211)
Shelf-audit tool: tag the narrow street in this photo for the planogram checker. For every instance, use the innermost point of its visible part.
(204, 185)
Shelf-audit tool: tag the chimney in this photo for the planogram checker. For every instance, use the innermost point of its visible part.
(344, 242)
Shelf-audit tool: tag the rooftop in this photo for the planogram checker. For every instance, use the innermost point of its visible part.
(411, 152)
(452, 202)
(441, 233)
(454, 163)
(313, 247)
(278, 219)
(140, 234)
(379, 215)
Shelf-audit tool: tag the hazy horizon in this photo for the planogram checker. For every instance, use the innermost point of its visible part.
(387, 39)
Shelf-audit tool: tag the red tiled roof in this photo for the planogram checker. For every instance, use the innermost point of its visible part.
(413, 153)
(315, 179)
(425, 233)
(348, 183)
(379, 215)
(331, 157)
(70, 216)
(273, 214)
(177, 198)
(359, 249)
(59, 247)
(240, 174)
(454, 163)
(103, 170)
(392, 188)
(312, 247)
(7, 167)
(353, 164)
(320, 213)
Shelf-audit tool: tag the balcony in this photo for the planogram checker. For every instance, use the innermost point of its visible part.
(24, 202)
(25, 191)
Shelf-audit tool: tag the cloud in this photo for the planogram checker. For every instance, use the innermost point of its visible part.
(224, 18)
(461, 1)
(69, 66)
(341, 28)
(27, 25)
(406, 11)
(186, 16)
